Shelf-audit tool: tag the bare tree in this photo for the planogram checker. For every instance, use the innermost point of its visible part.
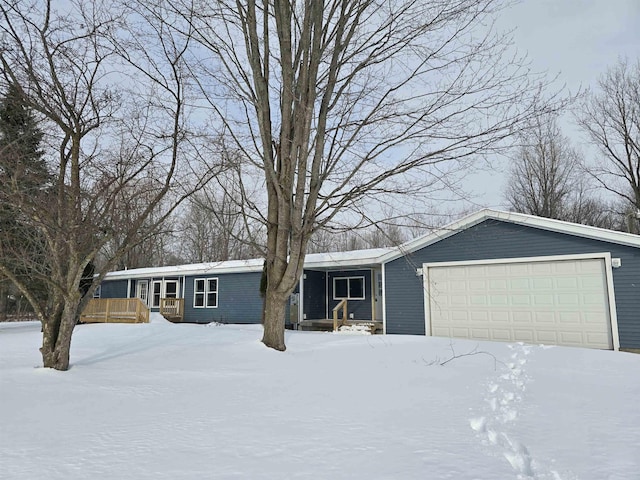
(215, 227)
(101, 141)
(610, 116)
(544, 172)
(336, 103)
(152, 247)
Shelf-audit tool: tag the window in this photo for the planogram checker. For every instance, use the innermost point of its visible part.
(351, 288)
(157, 289)
(170, 289)
(97, 292)
(205, 293)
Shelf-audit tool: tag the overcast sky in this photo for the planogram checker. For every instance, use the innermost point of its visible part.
(575, 39)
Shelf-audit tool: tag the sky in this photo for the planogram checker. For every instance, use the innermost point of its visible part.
(577, 40)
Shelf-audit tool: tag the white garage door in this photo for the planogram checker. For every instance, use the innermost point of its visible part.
(551, 302)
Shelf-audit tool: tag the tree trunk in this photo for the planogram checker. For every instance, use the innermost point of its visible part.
(3, 301)
(275, 305)
(56, 339)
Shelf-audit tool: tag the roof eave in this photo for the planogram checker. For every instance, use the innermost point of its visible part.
(549, 224)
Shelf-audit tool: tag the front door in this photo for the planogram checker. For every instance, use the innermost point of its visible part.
(377, 288)
(142, 291)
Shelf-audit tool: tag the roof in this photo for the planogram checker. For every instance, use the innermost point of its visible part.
(549, 224)
(231, 266)
(378, 256)
(354, 258)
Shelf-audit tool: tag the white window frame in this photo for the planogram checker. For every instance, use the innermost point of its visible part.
(143, 294)
(164, 288)
(153, 293)
(348, 279)
(205, 293)
(97, 292)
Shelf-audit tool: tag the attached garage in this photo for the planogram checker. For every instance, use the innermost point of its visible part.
(560, 300)
(511, 277)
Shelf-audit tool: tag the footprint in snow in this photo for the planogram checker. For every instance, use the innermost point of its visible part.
(503, 398)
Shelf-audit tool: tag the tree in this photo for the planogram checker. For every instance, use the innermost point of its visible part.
(110, 87)
(610, 116)
(544, 172)
(217, 225)
(338, 102)
(23, 169)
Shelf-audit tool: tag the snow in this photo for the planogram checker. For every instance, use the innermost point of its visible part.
(167, 401)
(312, 260)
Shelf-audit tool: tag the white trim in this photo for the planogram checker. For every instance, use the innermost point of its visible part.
(546, 258)
(366, 258)
(384, 302)
(348, 279)
(164, 287)
(301, 299)
(426, 301)
(549, 224)
(606, 256)
(137, 292)
(153, 293)
(377, 290)
(355, 259)
(128, 288)
(206, 292)
(613, 312)
(326, 294)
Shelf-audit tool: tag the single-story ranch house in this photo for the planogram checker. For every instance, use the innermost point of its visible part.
(492, 275)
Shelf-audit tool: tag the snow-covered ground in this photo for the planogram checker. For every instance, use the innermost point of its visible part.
(167, 401)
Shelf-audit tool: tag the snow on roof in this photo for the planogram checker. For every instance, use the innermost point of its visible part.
(231, 266)
(550, 224)
(351, 258)
(354, 258)
(377, 256)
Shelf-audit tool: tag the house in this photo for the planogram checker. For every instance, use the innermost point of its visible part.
(492, 275)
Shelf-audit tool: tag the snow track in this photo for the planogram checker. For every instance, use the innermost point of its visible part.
(504, 398)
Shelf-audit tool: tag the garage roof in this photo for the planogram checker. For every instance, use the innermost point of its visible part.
(378, 256)
(559, 226)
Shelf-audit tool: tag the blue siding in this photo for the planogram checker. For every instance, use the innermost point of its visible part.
(239, 299)
(315, 295)
(361, 309)
(114, 289)
(496, 239)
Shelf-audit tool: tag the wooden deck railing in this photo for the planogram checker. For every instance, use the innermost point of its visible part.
(342, 305)
(172, 308)
(115, 310)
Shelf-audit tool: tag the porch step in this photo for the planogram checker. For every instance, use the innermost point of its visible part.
(364, 327)
(326, 325)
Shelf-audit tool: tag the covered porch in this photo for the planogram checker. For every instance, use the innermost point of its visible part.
(339, 296)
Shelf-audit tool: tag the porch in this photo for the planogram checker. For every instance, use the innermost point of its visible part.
(172, 309)
(340, 321)
(115, 310)
(326, 325)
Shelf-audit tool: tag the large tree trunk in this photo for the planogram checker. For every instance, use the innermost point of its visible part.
(56, 338)
(275, 304)
(3, 301)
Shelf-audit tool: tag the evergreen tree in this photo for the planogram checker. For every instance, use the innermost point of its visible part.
(21, 159)
(23, 172)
